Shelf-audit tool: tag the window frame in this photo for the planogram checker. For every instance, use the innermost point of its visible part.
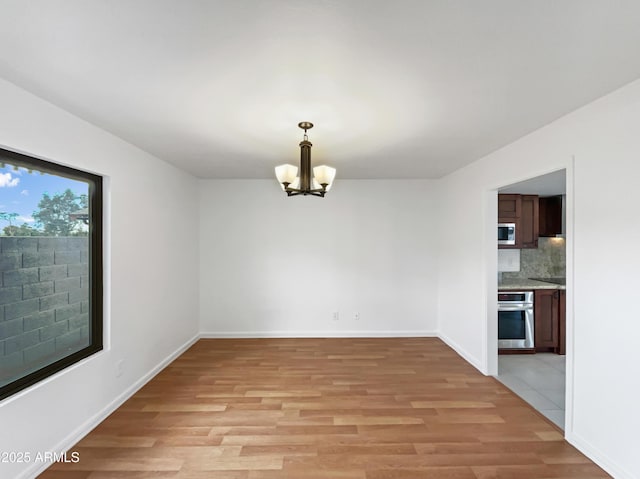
(96, 268)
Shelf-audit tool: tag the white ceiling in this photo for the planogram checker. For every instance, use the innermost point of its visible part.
(409, 88)
(545, 185)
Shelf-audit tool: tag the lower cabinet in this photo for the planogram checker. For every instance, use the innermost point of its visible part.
(549, 314)
(562, 323)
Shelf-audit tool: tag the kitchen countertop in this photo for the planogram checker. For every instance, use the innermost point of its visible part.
(527, 284)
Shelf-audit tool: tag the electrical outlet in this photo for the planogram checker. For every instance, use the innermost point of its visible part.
(356, 316)
(336, 316)
(119, 368)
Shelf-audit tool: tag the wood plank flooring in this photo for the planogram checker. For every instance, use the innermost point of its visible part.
(393, 408)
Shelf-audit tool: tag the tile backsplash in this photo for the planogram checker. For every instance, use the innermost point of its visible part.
(546, 261)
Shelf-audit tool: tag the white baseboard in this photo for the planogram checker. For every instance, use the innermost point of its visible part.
(80, 432)
(461, 352)
(318, 334)
(597, 456)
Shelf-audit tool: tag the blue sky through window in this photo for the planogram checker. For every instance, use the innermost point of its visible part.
(20, 192)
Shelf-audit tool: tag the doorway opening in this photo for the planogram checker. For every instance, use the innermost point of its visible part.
(531, 285)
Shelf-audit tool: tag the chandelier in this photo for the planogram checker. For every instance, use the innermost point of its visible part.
(304, 184)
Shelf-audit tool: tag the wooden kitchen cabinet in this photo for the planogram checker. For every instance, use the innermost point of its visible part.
(549, 310)
(529, 221)
(509, 206)
(547, 320)
(562, 322)
(550, 216)
(523, 211)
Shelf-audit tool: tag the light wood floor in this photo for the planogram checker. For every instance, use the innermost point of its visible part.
(324, 409)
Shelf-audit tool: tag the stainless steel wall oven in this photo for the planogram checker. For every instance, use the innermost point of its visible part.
(515, 320)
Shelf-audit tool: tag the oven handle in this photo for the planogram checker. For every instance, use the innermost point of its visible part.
(524, 307)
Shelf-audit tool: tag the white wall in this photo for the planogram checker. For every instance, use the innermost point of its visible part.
(277, 266)
(602, 247)
(151, 304)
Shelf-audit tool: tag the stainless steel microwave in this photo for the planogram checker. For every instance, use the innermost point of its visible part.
(507, 233)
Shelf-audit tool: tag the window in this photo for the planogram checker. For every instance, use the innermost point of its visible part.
(50, 268)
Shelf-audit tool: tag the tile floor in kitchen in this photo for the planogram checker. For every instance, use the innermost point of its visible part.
(539, 379)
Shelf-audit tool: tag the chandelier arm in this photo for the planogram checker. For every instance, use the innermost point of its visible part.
(311, 192)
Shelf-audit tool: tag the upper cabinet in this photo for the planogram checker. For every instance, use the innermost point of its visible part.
(509, 206)
(529, 221)
(550, 216)
(522, 210)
